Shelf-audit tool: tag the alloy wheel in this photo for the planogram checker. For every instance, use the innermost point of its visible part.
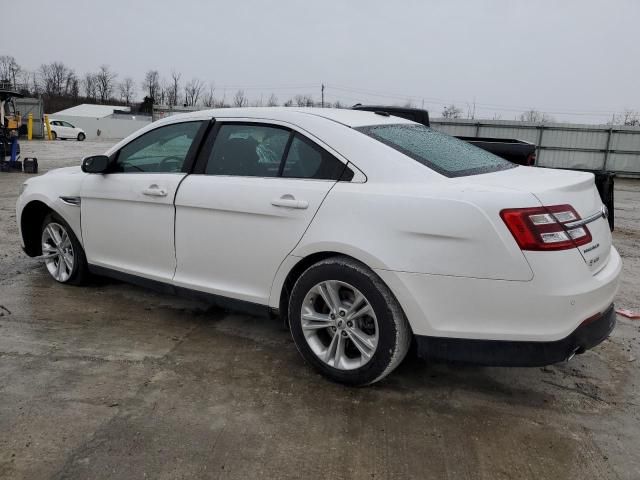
(57, 251)
(339, 325)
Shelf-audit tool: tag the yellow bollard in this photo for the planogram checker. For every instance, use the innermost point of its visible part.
(48, 127)
(30, 126)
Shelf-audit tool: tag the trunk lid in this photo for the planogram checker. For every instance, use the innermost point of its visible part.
(559, 187)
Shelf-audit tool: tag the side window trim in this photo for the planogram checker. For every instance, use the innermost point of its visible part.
(200, 164)
(197, 146)
(285, 153)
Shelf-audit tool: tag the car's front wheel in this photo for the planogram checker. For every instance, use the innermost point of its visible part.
(62, 253)
(81, 137)
(346, 322)
(54, 136)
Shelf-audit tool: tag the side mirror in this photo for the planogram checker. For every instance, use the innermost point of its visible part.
(95, 164)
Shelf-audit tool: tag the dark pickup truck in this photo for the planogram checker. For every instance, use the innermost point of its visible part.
(516, 151)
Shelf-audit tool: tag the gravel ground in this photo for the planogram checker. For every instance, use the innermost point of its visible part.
(113, 381)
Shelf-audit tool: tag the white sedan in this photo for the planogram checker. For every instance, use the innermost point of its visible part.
(365, 232)
(65, 130)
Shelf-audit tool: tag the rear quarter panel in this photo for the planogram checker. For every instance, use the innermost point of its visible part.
(421, 228)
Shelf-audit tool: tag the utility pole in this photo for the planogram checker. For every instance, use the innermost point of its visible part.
(322, 94)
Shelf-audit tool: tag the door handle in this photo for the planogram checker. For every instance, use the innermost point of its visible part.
(289, 201)
(154, 191)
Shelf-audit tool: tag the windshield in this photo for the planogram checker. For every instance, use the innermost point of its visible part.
(440, 152)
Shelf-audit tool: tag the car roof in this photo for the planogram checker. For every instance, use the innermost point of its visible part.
(347, 117)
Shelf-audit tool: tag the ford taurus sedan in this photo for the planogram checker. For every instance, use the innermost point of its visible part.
(365, 232)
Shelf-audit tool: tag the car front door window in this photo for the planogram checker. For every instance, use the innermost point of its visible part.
(162, 150)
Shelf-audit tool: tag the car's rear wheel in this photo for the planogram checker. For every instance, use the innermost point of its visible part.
(62, 253)
(54, 135)
(81, 137)
(346, 322)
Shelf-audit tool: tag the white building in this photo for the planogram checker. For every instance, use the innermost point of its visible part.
(103, 121)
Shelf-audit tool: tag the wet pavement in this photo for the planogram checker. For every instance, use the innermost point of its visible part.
(114, 381)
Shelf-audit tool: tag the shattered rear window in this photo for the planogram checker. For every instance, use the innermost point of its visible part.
(440, 152)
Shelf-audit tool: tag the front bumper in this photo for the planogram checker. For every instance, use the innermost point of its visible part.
(505, 353)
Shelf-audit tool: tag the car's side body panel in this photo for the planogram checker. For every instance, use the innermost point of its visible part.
(126, 229)
(49, 189)
(230, 238)
(420, 228)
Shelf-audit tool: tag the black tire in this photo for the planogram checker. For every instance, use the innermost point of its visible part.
(394, 332)
(79, 273)
(54, 136)
(81, 137)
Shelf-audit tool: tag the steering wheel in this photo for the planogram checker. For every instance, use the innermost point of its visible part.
(165, 164)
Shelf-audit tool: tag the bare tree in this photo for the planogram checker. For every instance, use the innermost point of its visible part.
(105, 83)
(272, 101)
(35, 86)
(164, 92)
(71, 88)
(89, 86)
(23, 80)
(9, 70)
(408, 104)
(127, 90)
(451, 111)
(151, 84)
(337, 104)
(209, 99)
(192, 92)
(303, 100)
(628, 117)
(174, 93)
(258, 103)
(471, 110)
(54, 78)
(288, 103)
(74, 89)
(535, 116)
(240, 100)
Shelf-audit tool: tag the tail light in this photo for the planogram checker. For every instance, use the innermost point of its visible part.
(544, 228)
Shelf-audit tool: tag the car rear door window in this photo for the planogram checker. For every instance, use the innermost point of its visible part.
(248, 150)
(162, 150)
(440, 152)
(307, 160)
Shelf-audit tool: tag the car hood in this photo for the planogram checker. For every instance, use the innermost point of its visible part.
(65, 171)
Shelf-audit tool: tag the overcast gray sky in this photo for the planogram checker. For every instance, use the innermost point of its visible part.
(577, 60)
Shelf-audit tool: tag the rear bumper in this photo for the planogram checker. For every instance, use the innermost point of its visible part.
(546, 309)
(518, 354)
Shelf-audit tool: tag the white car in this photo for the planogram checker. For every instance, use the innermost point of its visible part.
(64, 130)
(364, 231)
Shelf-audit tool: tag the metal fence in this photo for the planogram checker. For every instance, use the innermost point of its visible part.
(561, 145)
